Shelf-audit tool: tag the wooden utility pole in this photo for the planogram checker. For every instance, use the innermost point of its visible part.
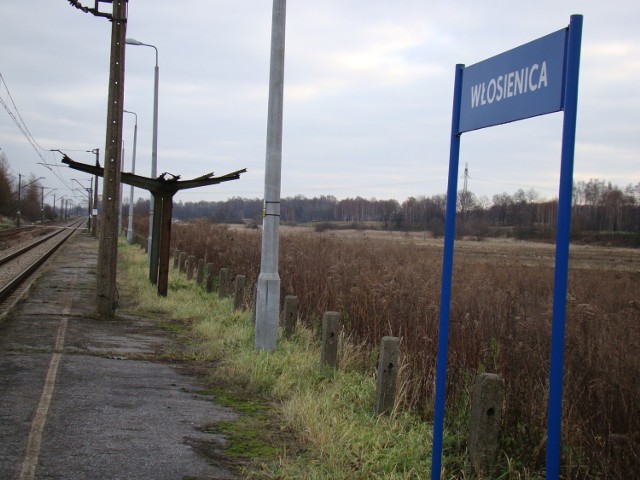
(108, 244)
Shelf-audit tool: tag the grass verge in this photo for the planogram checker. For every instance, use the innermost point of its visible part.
(297, 421)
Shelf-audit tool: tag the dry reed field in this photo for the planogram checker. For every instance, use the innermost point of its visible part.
(389, 284)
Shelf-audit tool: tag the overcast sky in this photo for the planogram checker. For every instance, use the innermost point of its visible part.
(367, 99)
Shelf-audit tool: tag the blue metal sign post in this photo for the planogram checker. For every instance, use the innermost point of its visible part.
(554, 420)
(534, 79)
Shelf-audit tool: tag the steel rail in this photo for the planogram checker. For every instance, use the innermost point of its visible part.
(6, 290)
(14, 231)
(28, 247)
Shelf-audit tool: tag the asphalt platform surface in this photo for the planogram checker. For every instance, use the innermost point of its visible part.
(82, 398)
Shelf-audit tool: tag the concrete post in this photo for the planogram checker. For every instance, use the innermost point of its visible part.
(290, 315)
(191, 262)
(162, 278)
(182, 261)
(154, 244)
(268, 298)
(200, 273)
(387, 375)
(131, 190)
(153, 223)
(238, 292)
(94, 225)
(223, 287)
(255, 304)
(330, 331)
(176, 256)
(486, 416)
(208, 284)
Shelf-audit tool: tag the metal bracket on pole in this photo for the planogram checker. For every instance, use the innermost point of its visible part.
(96, 9)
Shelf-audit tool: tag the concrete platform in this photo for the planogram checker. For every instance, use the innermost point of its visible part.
(82, 398)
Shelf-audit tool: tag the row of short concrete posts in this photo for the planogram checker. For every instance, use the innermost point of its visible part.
(387, 363)
(188, 265)
(488, 392)
(142, 241)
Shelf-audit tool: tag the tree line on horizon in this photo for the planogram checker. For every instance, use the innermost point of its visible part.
(31, 199)
(598, 207)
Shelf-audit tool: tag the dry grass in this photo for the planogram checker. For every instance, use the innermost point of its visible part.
(500, 322)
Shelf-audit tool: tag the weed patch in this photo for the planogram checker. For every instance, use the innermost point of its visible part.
(500, 322)
(296, 420)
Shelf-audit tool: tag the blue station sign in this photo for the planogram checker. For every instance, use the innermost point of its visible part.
(534, 79)
(524, 82)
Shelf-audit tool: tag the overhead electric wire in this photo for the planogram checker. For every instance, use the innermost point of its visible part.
(15, 115)
(19, 121)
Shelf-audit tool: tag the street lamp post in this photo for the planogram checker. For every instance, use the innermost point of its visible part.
(122, 156)
(133, 170)
(153, 247)
(88, 193)
(20, 187)
(268, 290)
(42, 201)
(18, 211)
(96, 152)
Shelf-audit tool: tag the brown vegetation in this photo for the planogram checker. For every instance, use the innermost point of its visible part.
(500, 323)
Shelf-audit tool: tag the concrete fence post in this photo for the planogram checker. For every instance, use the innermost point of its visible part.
(208, 284)
(484, 428)
(191, 262)
(223, 287)
(238, 292)
(254, 302)
(330, 331)
(200, 272)
(290, 315)
(387, 375)
(176, 256)
(182, 261)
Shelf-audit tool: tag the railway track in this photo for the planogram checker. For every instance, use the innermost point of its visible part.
(21, 263)
(12, 232)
